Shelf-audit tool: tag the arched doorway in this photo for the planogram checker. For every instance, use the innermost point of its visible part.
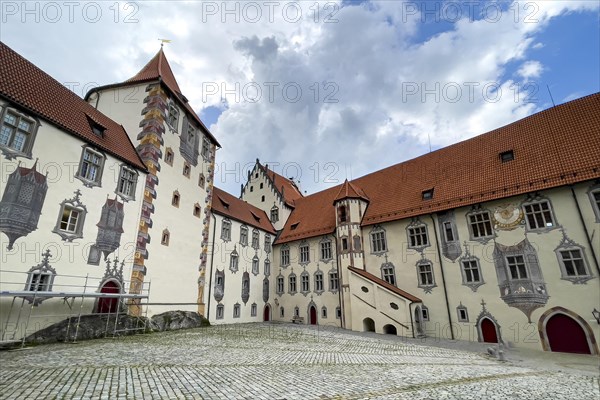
(267, 313)
(108, 304)
(312, 313)
(488, 331)
(565, 335)
(368, 325)
(390, 329)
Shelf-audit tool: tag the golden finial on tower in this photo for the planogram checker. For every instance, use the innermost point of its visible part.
(163, 41)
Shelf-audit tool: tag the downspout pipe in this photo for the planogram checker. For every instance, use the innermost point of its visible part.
(587, 236)
(340, 295)
(212, 259)
(437, 245)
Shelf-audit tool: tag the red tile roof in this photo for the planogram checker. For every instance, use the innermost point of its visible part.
(350, 191)
(555, 147)
(230, 206)
(286, 187)
(385, 284)
(158, 69)
(26, 85)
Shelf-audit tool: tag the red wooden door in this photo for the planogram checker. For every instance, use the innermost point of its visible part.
(108, 304)
(267, 313)
(313, 315)
(488, 331)
(566, 335)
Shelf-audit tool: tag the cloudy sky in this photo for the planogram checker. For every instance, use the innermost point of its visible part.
(324, 91)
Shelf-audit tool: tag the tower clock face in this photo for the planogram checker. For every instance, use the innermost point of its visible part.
(507, 216)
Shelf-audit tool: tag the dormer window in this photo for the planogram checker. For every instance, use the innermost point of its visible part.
(97, 129)
(294, 226)
(427, 194)
(507, 156)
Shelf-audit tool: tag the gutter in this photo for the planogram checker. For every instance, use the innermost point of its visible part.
(587, 236)
(437, 245)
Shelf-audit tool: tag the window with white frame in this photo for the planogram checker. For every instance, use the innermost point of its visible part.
(424, 313)
(326, 253)
(255, 263)
(305, 282)
(70, 219)
(417, 236)
(318, 281)
(573, 263)
(292, 284)
(173, 118)
(90, 167)
(480, 224)
(267, 267)
(244, 235)
(226, 229)
(236, 310)
(255, 239)
(378, 240)
(538, 215)
(425, 273)
(274, 214)
(304, 253)
(17, 133)
(39, 281)
(220, 311)
(253, 309)
(388, 273)
(280, 283)
(516, 267)
(267, 243)
(462, 313)
(127, 183)
(285, 256)
(334, 282)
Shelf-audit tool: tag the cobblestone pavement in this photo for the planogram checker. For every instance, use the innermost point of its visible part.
(273, 362)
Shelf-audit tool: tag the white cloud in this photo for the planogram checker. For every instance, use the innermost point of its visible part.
(530, 69)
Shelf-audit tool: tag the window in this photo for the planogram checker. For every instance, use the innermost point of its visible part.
(261, 185)
(324, 312)
(127, 183)
(70, 218)
(175, 199)
(342, 213)
(357, 243)
(463, 315)
(90, 167)
(255, 239)
(262, 198)
(186, 169)
(197, 210)
(338, 312)
(425, 272)
(538, 215)
(448, 231)
(220, 311)
(274, 214)
(234, 261)
(173, 117)
(17, 133)
(378, 242)
(165, 237)
(253, 310)
(244, 235)
(292, 284)
(595, 198)
(516, 267)
(206, 148)
(326, 250)
(280, 284)
(471, 270)
(388, 273)
(573, 263)
(236, 310)
(285, 256)
(296, 311)
(304, 253)
(267, 243)
(201, 180)
(226, 229)
(39, 281)
(251, 188)
(267, 267)
(507, 156)
(281, 312)
(169, 156)
(344, 244)
(333, 281)
(417, 236)
(305, 282)
(318, 282)
(480, 224)
(255, 263)
(424, 313)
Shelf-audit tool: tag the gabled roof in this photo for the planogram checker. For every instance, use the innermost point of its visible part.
(159, 69)
(384, 284)
(285, 187)
(350, 191)
(555, 147)
(36, 92)
(230, 206)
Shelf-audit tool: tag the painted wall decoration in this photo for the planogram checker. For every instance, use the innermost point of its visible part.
(110, 229)
(507, 217)
(22, 203)
(219, 285)
(245, 287)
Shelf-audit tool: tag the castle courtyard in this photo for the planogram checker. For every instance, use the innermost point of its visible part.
(284, 361)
